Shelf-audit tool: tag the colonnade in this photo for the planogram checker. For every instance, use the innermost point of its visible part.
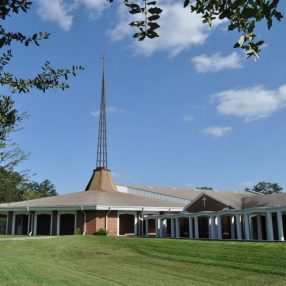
(252, 225)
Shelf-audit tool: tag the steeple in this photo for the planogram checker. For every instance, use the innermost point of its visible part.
(101, 161)
(101, 179)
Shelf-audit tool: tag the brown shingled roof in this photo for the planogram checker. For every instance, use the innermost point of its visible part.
(274, 200)
(93, 199)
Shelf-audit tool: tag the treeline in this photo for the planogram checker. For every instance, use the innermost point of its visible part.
(15, 186)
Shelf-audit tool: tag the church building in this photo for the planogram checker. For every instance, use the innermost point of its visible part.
(147, 211)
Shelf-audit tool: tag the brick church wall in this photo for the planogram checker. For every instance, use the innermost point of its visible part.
(95, 220)
(79, 222)
(209, 204)
(112, 223)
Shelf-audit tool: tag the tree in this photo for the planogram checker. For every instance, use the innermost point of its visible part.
(15, 186)
(266, 188)
(11, 186)
(241, 16)
(10, 154)
(204, 188)
(49, 77)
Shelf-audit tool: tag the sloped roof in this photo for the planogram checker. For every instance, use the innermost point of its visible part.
(274, 200)
(182, 193)
(95, 198)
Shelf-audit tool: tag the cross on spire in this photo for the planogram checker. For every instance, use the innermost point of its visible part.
(101, 161)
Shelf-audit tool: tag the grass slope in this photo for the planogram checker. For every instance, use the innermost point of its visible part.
(94, 260)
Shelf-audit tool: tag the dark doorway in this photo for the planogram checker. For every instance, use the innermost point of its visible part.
(151, 227)
(67, 222)
(184, 227)
(226, 227)
(126, 224)
(21, 224)
(203, 227)
(44, 224)
(3, 224)
(168, 228)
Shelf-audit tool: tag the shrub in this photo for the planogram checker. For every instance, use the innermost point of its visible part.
(78, 231)
(101, 231)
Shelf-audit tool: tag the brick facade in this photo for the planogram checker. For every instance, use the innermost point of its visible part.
(207, 204)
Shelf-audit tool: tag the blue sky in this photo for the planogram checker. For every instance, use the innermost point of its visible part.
(184, 110)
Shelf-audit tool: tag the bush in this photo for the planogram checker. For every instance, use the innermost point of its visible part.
(78, 231)
(101, 231)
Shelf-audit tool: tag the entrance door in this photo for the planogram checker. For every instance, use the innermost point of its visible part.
(67, 222)
(21, 225)
(126, 224)
(44, 224)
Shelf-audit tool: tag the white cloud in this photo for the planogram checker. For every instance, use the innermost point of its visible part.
(109, 109)
(216, 62)
(252, 103)
(217, 131)
(95, 7)
(56, 11)
(61, 12)
(188, 118)
(179, 30)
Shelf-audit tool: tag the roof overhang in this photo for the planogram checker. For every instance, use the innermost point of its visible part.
(90, 207)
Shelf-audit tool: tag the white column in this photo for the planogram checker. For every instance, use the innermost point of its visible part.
(238, 226)
(191, 235)
(232, 231)
(146, 227)
(197, 227)
(246, 226)
(13, 223)
(259, 228)
(157, 226)
(177, 225)
(160, 222)
(269, 226)
(29, 222)
(250, 227)
(164, 227)
(212, 223)
(280, 226)
(219, 229)
(172, 228)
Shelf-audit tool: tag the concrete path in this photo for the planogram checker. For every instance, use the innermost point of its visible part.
(25, 238)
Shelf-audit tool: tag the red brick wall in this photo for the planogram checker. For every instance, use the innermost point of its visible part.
(79, 222)
(95, 220)
(210, 205)
(100, 219)
(112, 223)
(90, 222)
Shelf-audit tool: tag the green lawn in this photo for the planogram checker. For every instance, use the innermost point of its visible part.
(96, 261)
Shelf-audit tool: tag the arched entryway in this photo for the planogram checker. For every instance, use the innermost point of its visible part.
(21, 224)
(126, 224)
(67, 224)
(43, 224)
